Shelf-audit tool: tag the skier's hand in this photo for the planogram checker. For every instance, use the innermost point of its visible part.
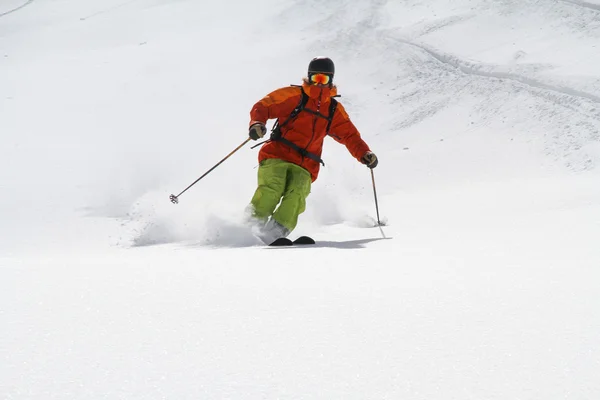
(257, 130)
(370, 159)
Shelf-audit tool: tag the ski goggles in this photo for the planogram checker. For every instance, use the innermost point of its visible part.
(319, 79)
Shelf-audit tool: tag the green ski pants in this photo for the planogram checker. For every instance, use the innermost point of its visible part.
(283, 181)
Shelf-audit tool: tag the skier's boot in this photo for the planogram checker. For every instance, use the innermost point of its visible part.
(271, 231)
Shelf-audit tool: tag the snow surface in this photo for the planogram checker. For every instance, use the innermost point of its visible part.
(484, 283)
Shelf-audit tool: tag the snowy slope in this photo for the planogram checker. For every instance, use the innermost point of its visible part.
(483, 285)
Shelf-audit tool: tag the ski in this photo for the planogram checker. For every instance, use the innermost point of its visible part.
(282, 242)
(302, 240)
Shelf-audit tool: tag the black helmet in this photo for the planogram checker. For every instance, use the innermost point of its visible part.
(321, 64)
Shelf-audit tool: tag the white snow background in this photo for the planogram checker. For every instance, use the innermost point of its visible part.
(484, 284)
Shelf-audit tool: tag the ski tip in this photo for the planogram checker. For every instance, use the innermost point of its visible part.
(281, 242)
(304, 240)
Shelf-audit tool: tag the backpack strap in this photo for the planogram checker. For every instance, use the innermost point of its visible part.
(295, 112)
(332, 107)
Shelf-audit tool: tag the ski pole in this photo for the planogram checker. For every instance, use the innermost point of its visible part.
(375, 193)
(175, 199)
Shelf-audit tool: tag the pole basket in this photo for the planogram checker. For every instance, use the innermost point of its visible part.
(174, 199)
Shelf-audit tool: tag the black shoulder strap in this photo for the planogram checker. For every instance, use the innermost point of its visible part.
(332, 107)
(297, 110)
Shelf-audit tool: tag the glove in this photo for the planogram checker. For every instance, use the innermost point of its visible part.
(370, 159)
(257, 130)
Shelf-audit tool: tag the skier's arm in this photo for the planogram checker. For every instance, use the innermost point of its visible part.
(344, 132)
(276, 104)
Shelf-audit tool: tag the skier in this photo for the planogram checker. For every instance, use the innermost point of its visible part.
(290, 160)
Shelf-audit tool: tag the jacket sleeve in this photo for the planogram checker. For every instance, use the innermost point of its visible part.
(276, 104)
(344, 132)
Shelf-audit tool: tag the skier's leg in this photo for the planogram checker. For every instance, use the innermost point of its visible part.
(271, 186)
(294, 198)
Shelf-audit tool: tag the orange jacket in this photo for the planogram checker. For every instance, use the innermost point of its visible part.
(306, 130)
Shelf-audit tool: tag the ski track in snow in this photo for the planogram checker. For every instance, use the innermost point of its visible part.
(479, 69)
(106, 10)
(491, 71)
(433, 26)
(16, 9)
(563, 145)
(584, 4)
